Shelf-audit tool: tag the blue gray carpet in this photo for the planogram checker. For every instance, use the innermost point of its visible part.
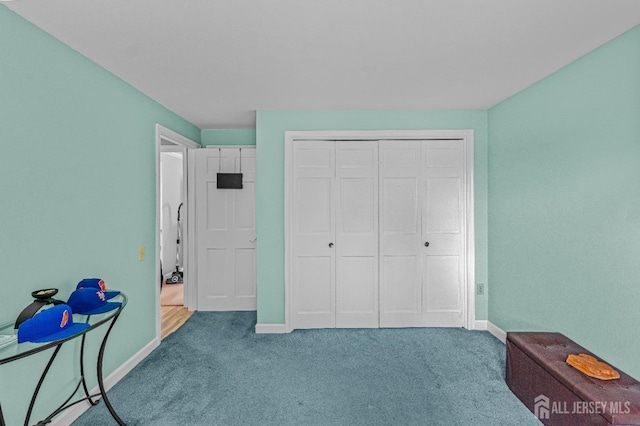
(216, 371)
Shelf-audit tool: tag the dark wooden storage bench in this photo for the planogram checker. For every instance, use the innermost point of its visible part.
(557, 393)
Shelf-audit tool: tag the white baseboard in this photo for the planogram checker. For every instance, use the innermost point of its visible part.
(477, 325)
(497, 332)
(271, 328)
(480, 325)
(68, 416)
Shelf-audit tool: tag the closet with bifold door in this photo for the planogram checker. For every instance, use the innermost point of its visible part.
(377, 233)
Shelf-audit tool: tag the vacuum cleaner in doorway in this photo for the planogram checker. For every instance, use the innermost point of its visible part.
(177, 276)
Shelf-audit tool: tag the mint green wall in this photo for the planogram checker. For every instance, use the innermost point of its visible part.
(228, 137)
(271, 126)
(77, 173)
(564, 204)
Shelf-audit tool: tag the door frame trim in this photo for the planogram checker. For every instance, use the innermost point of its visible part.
(185, 145)
(290, 137)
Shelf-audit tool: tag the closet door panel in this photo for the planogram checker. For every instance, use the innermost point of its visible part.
(400, 204)
(442, 199)
(443, 227)
(356, 234)
(314, 202)
(357, 296)
(400, 264)
(358, 206)
(314, 232)
(441, 296)
(400, 293)
(314, 297)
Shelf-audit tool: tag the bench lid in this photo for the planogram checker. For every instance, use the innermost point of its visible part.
(550, 351)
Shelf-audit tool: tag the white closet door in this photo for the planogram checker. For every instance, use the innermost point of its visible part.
(442, 227)
(378, 233)
(400, 233)
(314, 234)
(225, 231)
(357, 234)
(422, 238)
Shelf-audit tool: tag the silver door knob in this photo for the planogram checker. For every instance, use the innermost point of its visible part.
(330, 245)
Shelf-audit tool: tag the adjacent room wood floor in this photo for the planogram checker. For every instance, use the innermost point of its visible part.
(172, 312)
(172, 318)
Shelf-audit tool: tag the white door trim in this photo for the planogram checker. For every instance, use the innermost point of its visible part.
(186, 145)
(467, 135)
(171, 136)
(230, 146)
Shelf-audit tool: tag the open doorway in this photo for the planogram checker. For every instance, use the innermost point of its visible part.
(172, 230)
(172, 199)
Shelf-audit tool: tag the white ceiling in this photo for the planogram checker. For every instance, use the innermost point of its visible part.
(215, 62)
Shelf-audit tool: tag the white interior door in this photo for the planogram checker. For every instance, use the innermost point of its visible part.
(356, 234)
(225, 231)
(314, 234)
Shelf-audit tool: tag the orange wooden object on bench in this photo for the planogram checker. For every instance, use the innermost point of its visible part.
(560, 395)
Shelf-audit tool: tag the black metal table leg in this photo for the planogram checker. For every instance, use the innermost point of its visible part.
(44, 374)
(82, 376)
(2, 423)
(63, 406)
(99, 373)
